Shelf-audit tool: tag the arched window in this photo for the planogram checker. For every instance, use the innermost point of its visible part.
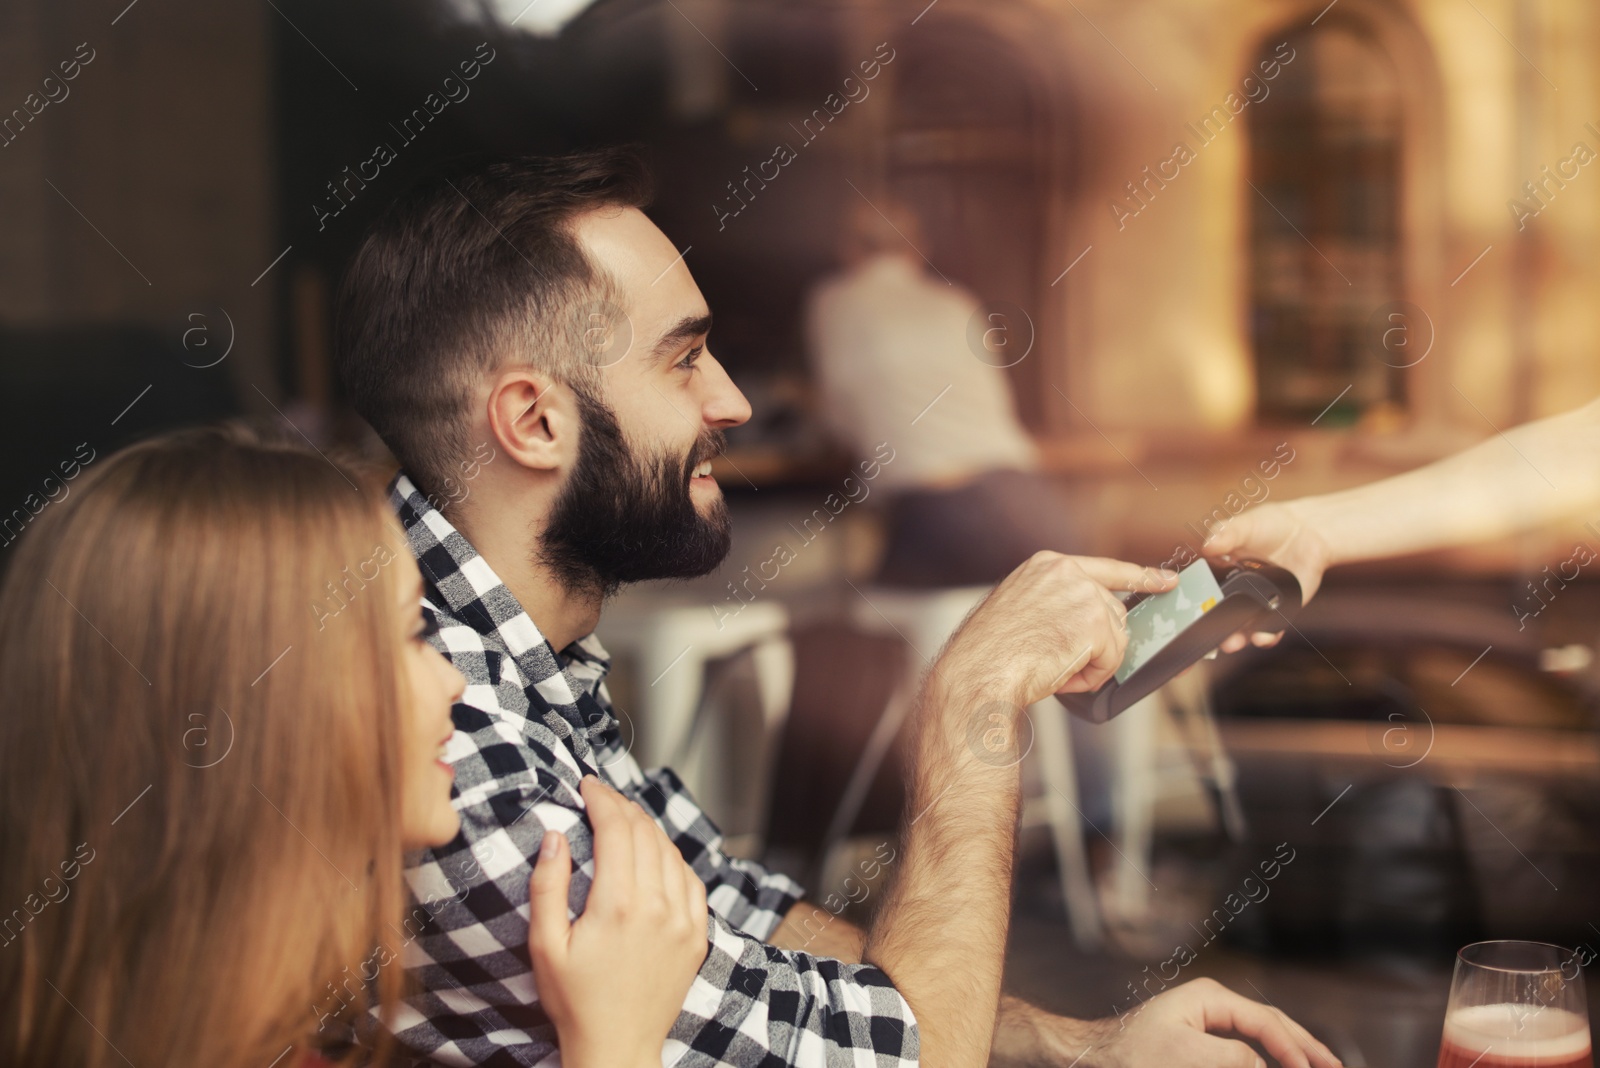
(1325, 249)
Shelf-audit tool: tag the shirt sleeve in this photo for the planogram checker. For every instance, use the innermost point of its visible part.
(751, 898)
(465, 935)
(753, 1004)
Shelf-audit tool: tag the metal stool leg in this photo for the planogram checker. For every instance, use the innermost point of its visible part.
(775, 668)
(924, 623)
(865, 771)
(1133, 802)
(1053, 749)
(1191, 697)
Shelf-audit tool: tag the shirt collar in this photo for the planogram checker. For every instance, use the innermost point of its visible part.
(462, 582)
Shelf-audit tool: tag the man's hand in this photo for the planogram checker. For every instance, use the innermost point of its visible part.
(1052, 626)
(1182, 1028)
(1277, 534)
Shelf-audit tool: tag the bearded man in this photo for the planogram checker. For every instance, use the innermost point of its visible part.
(533, 350)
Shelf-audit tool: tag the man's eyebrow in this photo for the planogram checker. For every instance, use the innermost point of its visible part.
(687, 327)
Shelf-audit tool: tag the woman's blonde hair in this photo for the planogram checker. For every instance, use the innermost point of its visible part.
(199, 758)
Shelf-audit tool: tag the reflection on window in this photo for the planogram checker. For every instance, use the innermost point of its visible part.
(1324, 226)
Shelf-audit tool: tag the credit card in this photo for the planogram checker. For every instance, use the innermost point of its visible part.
(1156, 620)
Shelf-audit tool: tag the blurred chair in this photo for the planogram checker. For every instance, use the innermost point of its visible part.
(925, 619)
(1056, 806)
(1145, 773)
(671, 644)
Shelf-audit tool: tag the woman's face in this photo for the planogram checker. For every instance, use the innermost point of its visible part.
(429, 685)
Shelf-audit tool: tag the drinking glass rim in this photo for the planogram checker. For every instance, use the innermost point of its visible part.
(1571, 954)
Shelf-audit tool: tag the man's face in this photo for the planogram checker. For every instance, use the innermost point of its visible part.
(640, 502)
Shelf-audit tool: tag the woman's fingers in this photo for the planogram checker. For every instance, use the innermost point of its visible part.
(647, 843)
(672, 876)
(621, 822)
(695, 893)
(637, 864)
(693, 909)
(548, 926)
(614, 861)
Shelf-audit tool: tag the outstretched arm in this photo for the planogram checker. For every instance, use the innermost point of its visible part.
(940, 934)
(1532, 475)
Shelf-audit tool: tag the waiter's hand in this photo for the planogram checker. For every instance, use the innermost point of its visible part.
(1183, 1028)
(1275, 534)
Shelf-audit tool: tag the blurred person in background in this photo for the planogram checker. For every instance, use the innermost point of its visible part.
(892, 351)
(891, 347)
(1539, 473)
(205, 856)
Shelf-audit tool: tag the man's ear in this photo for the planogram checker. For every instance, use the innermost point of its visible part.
(534, 419)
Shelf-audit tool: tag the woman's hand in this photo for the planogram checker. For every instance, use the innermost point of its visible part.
(614, 981)
(1278, 534)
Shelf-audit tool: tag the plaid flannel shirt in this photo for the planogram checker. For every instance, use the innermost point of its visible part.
(528, 727)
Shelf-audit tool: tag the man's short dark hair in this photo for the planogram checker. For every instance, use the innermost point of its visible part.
(474, 268)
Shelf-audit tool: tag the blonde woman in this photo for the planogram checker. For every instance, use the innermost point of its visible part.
(208, 777)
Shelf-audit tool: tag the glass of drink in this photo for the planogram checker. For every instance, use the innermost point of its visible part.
(1516, 1005)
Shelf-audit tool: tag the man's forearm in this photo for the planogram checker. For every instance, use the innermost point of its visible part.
(1535, 474)
(810, 928)
(941, 932)
(1052, 626)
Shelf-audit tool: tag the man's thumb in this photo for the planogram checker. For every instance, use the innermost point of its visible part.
(548, 926)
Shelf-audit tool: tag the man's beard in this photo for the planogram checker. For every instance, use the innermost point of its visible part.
(623, 518)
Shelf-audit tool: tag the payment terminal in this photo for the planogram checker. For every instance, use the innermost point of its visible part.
(1169, 632)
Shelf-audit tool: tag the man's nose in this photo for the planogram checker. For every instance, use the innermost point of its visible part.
(723, 405)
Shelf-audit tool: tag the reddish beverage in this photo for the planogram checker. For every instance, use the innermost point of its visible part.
(1514, 1036)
